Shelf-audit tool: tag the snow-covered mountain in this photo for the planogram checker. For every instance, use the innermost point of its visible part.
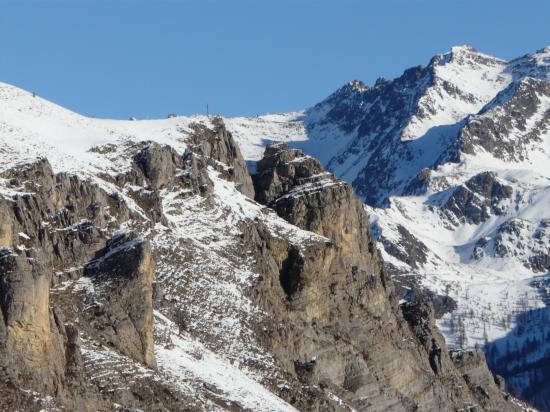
(143, 268)
(453, 162)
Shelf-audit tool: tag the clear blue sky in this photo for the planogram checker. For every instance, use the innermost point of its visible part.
(120, 58)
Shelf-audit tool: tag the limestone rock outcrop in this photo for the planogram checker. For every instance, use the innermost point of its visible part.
(125, 273)
(217, 146)
(343, 329)
(30, 343)
(55, 229)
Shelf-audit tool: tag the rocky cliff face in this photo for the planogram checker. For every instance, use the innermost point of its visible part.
(352, 337)
(151, 281)
(125, 271)
(57, 228)
(506, 116)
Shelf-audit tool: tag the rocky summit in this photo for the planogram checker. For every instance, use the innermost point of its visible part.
(149, 265)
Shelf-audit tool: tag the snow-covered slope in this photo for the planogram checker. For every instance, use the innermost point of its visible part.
(31, 127)
(379, 137)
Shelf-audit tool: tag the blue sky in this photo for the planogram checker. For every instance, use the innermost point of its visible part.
(121, 58)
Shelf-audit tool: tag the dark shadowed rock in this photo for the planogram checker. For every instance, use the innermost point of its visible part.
(408, 249)
(513, 108)
(481, 196)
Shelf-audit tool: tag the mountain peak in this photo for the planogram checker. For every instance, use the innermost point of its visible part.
(357, 86)
(467, 54)
(464, 48)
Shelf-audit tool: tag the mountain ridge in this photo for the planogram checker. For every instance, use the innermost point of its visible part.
(157, 283)
(454, 210)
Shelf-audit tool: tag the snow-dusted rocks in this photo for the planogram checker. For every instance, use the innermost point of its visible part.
(477, 199)
(255, 307)
(511, 126)
(523, 240)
